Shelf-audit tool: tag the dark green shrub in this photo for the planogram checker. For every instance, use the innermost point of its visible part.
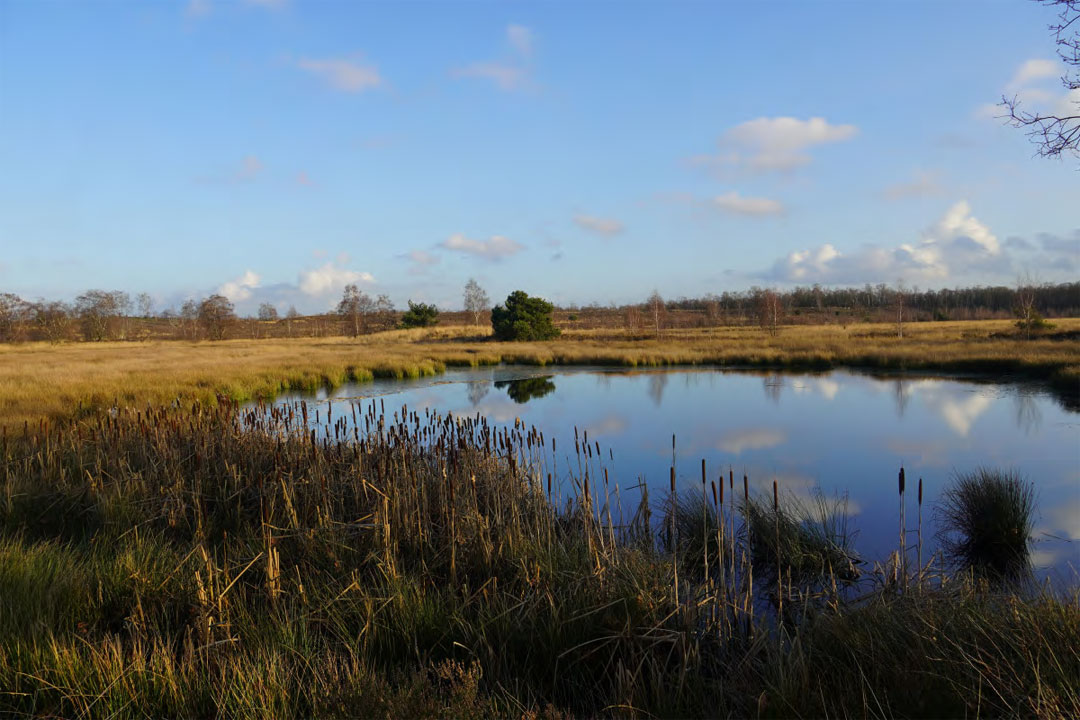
(523, 318)
(420, 315)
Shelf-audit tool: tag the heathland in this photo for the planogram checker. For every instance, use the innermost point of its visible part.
(202, 559)
(41, 380)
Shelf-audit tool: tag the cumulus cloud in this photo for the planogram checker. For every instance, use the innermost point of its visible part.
(507, 74)
(599, 225)
(329, 278)
(737, 204)
(1034, 85)
(773, 144)
(957, 242)
(925, 184)
(241, 288)
(497, 248)
(1033, 70)
(342, 74)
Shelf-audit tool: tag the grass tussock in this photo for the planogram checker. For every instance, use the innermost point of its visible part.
(41, 380)
(203, 561)
(986, 518)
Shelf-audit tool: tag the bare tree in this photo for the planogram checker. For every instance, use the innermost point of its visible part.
(100, 313)
(657, 310)
(216, 314)
(476, 300)
(899, 301)
(267, 312)
(1027, 316)
(290, 316)
(12, 315)
(1056, 134)
(355, 309)
(384, 312)
(189, 319)
(770, 310)
(145, 304)
(53, 320)
(632, 319)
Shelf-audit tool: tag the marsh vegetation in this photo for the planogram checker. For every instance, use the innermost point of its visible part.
(205, 560)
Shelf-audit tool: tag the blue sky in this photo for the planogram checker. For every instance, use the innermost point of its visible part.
(594, 151)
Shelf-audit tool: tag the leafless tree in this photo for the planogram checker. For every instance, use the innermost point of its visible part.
(384, 312)
(189, 319)
(476, 300)
(899, 302)
(632, 319)
(267, 312)
(355, 309)
(100, 313)
(13, 312)
(53, 320)
(216, 314)
(1028, 317)
(145, 304)
(657, 310)
(1056, 134)
(290, 316)
(770, 310)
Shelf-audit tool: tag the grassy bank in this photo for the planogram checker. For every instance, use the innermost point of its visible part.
(41, 380)
(210, 563)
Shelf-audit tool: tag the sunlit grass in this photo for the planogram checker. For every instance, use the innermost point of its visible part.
(42, 380)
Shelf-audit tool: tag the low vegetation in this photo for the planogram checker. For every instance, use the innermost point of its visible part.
(210, 561)
(986, 519)
(44, 380)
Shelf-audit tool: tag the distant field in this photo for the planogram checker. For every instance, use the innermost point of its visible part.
(39, 380)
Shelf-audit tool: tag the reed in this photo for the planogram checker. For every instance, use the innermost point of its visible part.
(212, 560)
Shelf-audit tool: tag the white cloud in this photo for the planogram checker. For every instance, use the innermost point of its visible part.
(957, 242)
(602, 226)
(341, 74)
(505, 76)
(751, 439)
(330, 277)
(240, 289)
(733, 202)
(497, 248)
(773, 144)
(521, 39)
(1034, 69)
(925, 184)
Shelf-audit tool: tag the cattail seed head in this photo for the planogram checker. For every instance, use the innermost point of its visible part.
(901, 480)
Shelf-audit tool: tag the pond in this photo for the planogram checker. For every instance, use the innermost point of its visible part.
(841, 433)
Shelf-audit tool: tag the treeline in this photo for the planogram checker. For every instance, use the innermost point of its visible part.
(98, 315)
(816, 305)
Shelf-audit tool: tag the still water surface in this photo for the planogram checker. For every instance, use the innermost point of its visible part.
(841, 433)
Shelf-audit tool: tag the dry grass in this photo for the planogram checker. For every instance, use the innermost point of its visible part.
(42, 380)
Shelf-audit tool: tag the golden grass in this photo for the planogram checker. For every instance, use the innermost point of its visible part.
(41, 380)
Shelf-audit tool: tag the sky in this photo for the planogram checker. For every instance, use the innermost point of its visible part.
(276, 150)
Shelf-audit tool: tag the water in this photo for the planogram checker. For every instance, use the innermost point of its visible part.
(838, 433)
